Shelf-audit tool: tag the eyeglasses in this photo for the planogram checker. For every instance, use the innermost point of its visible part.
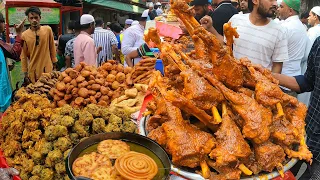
(37, 40)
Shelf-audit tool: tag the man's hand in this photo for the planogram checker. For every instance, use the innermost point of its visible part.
(183, 27)
(206, 22)
(19, 27)
(99, 49)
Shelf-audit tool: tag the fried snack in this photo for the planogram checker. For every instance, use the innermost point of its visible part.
(103, 173)
(88, 163)
(113, 148)
(136, 166)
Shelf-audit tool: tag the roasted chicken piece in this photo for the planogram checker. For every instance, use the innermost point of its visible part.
(269, 156)
(187, 144)
(230, 143)
(283, 132)
(257, 119)
(296, 116)
(225, 172)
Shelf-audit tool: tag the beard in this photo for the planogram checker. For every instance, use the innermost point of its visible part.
(198, 17)
(264, 12)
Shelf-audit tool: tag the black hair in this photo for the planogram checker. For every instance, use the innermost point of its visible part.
(304, 15)
(156, 6)
(116, 27)
(77, 26)
(71, 25)
(99, 22)
(33, 9)
(86, 26)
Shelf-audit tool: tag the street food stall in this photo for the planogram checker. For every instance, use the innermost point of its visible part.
(15, 9)
(213, 117)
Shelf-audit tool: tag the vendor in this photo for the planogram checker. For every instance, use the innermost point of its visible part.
(38, 53)
(307, 83)
(12, 52)
(133, 38)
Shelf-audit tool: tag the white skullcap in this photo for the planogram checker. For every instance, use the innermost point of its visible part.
(158, 3)
(151, 4)
(86, 19)
(135, 23)
(279, 2)
(145, 13)
(316, 10)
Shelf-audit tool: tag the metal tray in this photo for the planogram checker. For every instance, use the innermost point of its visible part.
(191, 175)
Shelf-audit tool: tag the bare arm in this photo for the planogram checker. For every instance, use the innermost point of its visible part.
(206, 22)
(131, 56)
(68, 61)
(115, 51)
(288, 82)
(277, 67)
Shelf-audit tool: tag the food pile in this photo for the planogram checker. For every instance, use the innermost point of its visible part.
(244, 123)
(128, 164)
(42, 86)
(37, 138)
(85, 84)
(132, 99)
(142, 71)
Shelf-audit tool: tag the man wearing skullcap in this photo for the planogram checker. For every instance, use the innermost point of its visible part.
(128, 23)
(298, 41)
(314, 22)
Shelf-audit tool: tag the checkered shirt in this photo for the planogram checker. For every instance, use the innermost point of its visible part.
(310, 81)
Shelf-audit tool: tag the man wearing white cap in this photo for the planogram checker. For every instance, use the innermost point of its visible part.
(133, 38)
(84, 47)
(297, 39)
(314, 22)
(158, 9)
(128, 23)
(152, 12)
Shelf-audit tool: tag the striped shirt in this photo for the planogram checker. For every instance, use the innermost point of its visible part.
(106, 39)
(261, 44)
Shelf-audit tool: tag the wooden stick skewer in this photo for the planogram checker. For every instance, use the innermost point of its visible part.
(216, 115)
(245, 170)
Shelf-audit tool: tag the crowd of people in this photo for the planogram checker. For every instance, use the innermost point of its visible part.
(271, 34)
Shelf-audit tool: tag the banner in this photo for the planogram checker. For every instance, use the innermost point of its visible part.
(48, 15)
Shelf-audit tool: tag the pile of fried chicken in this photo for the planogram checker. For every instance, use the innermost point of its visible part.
(246, 123)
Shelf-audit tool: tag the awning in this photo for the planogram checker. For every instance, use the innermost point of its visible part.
(117, 5)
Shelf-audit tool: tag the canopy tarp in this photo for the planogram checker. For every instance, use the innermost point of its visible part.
(117, 5)
(26, 3)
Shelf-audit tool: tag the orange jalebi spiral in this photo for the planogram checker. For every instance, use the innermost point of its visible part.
(136, 166)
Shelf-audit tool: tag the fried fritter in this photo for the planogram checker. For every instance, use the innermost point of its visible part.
(113, 148)
(34, 178)
(82, 131)
(98, 125)
(37, 170)
(27, 144)
(43, 146)
(66, 110)
(35, 135)
(85, 118)
(88, 163)
(10, 147)
(24, 175)
(35, 155)
(60, 168)
(115, 119)
(66, 153)
(112, 128)
(93, 109)
(46, 174)
(128, 126)
(53, 157)
(103, 173)
(53, 132)
(62, 143)
(32, 125)
(74, 137)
